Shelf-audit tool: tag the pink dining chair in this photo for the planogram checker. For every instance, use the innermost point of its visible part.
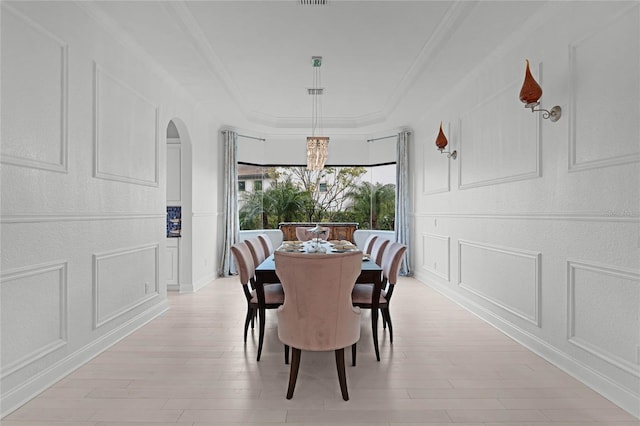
(377, 249)
(273, 293)
(368, 243)
(318, 314)
(267, 245)
(303, 234)
(257, 250)
(362, 294)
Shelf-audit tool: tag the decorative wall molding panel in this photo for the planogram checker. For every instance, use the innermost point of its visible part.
(507, 151)
(123, 280)
(33, 88)
(628, 217)
(77, 217)
(126, 133)
(599, 81)
(172, 266)
(33, 302)
(599, 298)
(436, 255)
(508, 278)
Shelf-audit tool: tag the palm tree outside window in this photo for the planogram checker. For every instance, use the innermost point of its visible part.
(365, 195)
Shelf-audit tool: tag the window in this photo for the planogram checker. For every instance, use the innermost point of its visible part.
(365, 195)
(241, 186)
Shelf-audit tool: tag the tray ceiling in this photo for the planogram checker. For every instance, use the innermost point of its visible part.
(383, 61)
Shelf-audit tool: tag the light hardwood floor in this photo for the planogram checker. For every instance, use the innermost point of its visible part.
(190, 367)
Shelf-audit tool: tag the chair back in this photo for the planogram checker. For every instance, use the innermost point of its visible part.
(391, 261)
(303, 234)
(246, 267)
(318, 314)
(267, 245)
(377, 249)
(257, 250)
(368, 243)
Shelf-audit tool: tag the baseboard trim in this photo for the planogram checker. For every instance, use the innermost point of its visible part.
(620, 396)
(201, 283)
(22, 394)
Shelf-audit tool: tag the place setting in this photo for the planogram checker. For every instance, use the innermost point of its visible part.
(292, 246)
(342, 246)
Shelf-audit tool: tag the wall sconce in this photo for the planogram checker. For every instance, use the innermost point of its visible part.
(442, 142)
(531, 93)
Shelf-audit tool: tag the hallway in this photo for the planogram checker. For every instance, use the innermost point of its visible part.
(189, 367)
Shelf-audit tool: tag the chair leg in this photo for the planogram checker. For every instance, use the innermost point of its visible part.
(342, 377)
(261, 334)
(384, 320)
(374, 332)
(353, 354)
(387, 315)
(286, 354)
(293, 374)
(247, 320)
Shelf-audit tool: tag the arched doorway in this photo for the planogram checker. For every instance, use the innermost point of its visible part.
(178, 202)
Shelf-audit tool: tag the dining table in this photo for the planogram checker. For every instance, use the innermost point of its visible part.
(370, 273)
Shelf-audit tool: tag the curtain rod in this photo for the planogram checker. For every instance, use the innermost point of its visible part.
(387, 137)
(245, 136)
(384, 137)
(252, 137)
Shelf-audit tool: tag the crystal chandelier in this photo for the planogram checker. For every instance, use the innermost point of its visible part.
(317, 146)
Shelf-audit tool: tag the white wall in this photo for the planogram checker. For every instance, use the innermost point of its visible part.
(83, 205)
(207, 172)
(535, 226)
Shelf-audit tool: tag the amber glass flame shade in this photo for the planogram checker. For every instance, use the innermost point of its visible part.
(531, 91)
(441, 140)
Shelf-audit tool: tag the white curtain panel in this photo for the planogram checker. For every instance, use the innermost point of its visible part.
(403, 201)
(231, 231)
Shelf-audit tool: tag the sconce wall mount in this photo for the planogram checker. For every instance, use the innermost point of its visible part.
(553, 114)
(530, 94)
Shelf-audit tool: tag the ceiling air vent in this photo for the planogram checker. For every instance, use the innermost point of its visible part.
(313, 2)
(315, 91)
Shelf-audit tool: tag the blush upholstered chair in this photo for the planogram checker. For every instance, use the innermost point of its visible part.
(257, 250)
(318, 314)
(267, 245)
(377, 249)
(368, 243)
(303, 234)
(362, 293)
(273, 293)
